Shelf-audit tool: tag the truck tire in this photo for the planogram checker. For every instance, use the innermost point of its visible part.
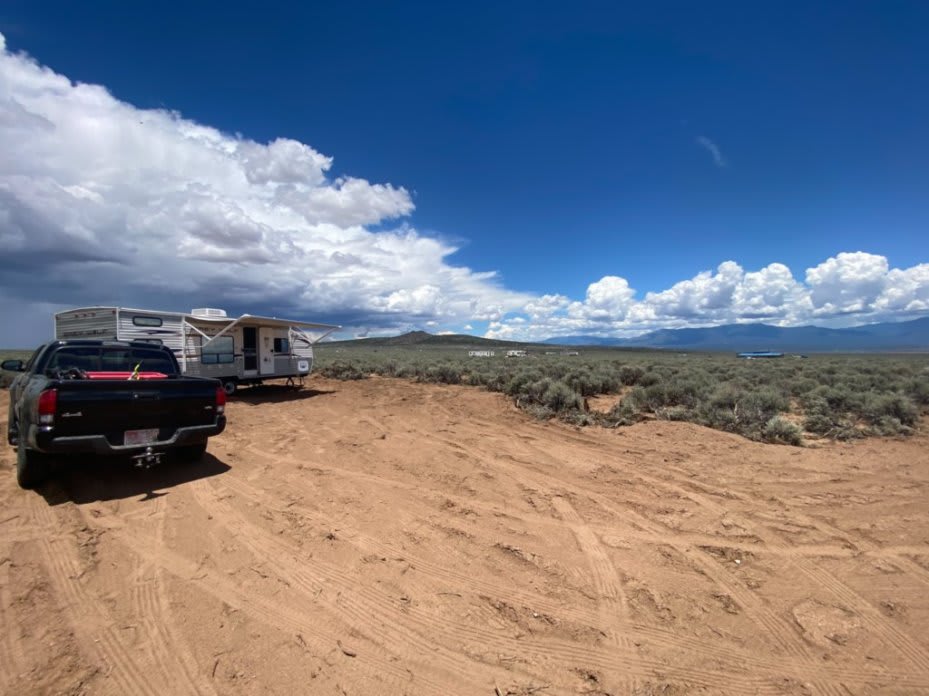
(230, 386)
(12, 431)
(32, 468)
(191, 453)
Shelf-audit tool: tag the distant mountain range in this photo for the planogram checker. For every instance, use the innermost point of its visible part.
(906, 336)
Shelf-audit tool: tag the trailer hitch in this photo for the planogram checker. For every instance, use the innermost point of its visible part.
(147, 459)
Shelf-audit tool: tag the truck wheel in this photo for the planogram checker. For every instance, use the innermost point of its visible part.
(12, 432)
(32, 468)
(191, 453)
(229, 386)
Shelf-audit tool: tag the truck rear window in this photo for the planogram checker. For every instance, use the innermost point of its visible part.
(83, 358)
(92, 359)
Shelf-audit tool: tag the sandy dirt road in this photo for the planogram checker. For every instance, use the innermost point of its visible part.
(383, 537)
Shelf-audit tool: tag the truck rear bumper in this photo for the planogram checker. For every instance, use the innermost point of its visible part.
(47, 441)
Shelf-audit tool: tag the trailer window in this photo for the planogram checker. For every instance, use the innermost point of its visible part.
(281, 345)
(146, 321)
(219, 351)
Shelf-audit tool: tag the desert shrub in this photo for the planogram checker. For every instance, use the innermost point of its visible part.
(918, 390)
(518, 382)
(799, 387)
(688, 393)
(560, 397)
(580, 418)
(755, 409)
(650, 398)
(877, 407)
(821, 419)
(719, 417)
(626, 412)
(779, 429)
(630, 375)
(676, 413)
(888, 425)
(342, 370)
(441, 374)
(838, 396)
(725, 396)
(586, 383)
(538, 411)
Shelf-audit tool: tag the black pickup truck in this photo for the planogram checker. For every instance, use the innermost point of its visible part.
(108, 397)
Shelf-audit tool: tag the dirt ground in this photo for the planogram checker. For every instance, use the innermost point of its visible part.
(383, 537)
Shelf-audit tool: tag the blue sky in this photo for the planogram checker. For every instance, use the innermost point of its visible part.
(522, 169)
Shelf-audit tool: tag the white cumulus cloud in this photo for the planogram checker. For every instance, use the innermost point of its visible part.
(102, 202)
(849, 288)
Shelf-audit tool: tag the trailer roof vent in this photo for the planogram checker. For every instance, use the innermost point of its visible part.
(208, 312)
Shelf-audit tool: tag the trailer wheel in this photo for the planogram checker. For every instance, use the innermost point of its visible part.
(32, 468)
(230, 386)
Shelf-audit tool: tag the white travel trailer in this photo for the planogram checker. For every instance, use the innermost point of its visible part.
(206, 342)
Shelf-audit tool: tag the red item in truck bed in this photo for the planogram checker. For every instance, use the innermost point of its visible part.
(126, 375)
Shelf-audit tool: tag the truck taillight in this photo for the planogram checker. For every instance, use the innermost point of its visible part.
(220, 400)
(48, 404)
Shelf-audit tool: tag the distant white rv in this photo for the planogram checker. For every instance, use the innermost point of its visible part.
(206, 342)
(481, 353)
(516, 354)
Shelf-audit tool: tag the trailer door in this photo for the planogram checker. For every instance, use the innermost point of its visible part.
(265, 350)
(250, 350)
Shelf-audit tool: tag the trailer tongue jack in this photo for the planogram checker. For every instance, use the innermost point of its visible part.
(147, 459)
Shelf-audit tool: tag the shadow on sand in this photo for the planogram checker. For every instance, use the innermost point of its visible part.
(89, 479)
(275, 393)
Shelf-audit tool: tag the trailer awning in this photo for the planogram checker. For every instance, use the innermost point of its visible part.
(313, 331)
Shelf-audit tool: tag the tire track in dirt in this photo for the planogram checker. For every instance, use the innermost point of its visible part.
(549, 651)
(692, 539)
(368, 611)
(174, 674)
(783, 632)
(877, 622)
(770, 670)
(12, 659)
(612, 599)
(381, 547)
(290, 619)
(771, 625)
(612, 604)
(870, 616)
(508, 592)
(797, 659)
(86, 615)
(88, 620)
(856, 545)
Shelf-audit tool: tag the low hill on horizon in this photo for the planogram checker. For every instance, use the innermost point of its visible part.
(423, 338)
(907, 336)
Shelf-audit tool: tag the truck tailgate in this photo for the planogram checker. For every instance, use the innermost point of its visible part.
(113, 407)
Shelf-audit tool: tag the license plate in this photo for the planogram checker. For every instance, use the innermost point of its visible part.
(140, 437)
